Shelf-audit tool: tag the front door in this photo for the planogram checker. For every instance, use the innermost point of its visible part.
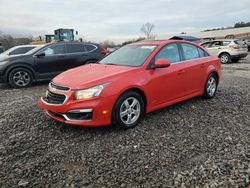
(52, 63)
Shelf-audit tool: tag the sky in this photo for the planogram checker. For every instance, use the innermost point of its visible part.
(118, 20)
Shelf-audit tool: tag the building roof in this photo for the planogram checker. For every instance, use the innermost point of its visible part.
(188, 38)
(242, 32)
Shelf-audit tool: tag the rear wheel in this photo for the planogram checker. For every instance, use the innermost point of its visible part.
(20, 78)
(128, 110)
(211, 86)
(225, 58)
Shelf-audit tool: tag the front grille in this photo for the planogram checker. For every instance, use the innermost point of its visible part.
(63, 88)
(54, 98)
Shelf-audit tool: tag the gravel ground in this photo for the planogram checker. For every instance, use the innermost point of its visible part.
(197, 143)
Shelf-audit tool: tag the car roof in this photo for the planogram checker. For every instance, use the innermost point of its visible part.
(71, 42)
(161, 42)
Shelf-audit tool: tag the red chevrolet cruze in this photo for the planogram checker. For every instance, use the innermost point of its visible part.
(130, 82)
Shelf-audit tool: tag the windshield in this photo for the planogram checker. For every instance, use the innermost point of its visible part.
(131, 55)
(8, 51)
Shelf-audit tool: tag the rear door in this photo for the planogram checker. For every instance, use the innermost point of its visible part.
(167, 84)
(195, 59)
(76, 55)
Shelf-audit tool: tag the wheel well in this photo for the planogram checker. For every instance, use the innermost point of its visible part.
(216, 74)
(139, 91)
(224, 53)
(24, 67)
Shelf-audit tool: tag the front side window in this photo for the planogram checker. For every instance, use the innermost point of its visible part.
(53, 50)
(75, 48)
(130, 55)
(169, 52)
(190, 51)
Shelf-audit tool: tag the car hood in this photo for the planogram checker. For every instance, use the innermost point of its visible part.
(12, 57)
(90, 75)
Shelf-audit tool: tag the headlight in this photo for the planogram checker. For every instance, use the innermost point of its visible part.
(3, 62)
(90, 93)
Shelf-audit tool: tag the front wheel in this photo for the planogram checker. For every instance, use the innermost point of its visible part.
(20, 78)
(211, 86)
(128, 110)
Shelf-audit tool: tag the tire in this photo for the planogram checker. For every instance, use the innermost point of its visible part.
(225, 58)
(20, 78)
(210, 86)
(128, 110)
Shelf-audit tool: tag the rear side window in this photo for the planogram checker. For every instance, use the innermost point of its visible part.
(225, 43)
(169, 52)
(190, 51)
(202, 53)
(90, 47)
(75, 48)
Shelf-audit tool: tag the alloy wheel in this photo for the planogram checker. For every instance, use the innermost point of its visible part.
(21, 78)
(130, 110)
(224, 59)
(211, 86)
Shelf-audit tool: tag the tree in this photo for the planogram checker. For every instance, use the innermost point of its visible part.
(147, 29)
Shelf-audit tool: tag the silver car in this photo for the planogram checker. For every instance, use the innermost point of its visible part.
(227, 50)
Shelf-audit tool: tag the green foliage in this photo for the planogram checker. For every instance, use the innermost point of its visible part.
(242, 24)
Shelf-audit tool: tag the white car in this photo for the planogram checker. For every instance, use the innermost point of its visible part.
(17, 50)
(227, 50)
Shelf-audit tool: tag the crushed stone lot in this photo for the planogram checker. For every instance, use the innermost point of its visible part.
(203, 143)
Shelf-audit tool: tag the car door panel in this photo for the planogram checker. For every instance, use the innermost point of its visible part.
(168, 83)
(52, 63)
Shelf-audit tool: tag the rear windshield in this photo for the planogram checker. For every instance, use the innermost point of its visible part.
(239, 42)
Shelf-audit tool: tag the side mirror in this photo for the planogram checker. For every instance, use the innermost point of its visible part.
(40, 54)
(161, 63)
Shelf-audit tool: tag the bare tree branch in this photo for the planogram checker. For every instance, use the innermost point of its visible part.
(147, 29)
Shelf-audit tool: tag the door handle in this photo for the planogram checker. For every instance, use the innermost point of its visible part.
(181, 71)
(203, 65)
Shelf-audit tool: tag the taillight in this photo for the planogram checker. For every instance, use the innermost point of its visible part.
(234, 46)
(103, 51)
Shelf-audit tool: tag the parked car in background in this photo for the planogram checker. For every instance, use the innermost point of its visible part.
(247, 41)
(1, 49)
(131, 81)
(227, 50)
(45, 62)
(17, 50)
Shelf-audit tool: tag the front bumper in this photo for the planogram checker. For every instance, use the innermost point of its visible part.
(90, 113)
(2, 79)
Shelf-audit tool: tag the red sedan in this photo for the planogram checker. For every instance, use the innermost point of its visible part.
(130, 82)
